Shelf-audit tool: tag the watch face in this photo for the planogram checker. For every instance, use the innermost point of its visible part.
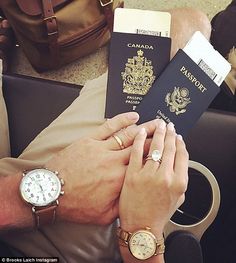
(40, 187)
(142, 244)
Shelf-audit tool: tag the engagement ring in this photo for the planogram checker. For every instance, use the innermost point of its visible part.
(154, 156)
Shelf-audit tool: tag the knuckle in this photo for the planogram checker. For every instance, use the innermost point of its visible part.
(86, 144)
(184, 149)
(135, 150)
(160, 132)
(170, 133)
(126, 135)
(108, 125)
(171, 148)
(165, 182)
(183, 152)
(181, 199)
(182, 186)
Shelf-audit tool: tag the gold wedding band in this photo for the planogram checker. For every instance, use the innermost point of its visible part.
(119, 141)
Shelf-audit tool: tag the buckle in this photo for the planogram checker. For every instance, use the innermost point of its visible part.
(53, 33)
(104, 3)
(49, 18)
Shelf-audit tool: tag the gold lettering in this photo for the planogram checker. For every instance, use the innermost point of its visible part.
(161, 115)
(193, 79)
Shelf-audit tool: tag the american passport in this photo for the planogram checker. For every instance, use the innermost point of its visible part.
(180, 95)
(135, 61)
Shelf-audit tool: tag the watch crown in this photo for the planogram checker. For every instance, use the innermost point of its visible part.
(62, 181)
(62, 193)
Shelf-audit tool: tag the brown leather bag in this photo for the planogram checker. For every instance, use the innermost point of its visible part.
(53, 33)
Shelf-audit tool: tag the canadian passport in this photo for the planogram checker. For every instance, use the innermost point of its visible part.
(180, 95)
(135, 62)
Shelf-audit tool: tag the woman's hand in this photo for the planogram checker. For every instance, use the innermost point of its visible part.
(153, 190)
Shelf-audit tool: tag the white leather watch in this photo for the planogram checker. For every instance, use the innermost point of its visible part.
(142, 243)
(41, 188)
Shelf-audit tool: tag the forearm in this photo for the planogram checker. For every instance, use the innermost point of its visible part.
(15, 213)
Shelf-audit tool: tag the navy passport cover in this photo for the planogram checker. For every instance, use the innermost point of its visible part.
(135, 61)
(180, 95)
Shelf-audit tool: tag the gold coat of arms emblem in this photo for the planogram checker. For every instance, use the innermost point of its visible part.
(138, 76)
(178, 100)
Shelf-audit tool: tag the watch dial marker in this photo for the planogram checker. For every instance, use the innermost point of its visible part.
(40, 187)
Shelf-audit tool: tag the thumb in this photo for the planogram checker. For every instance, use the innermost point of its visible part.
(115, 124)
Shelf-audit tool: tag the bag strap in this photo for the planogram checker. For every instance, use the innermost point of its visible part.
(52, 29)
(34, 7)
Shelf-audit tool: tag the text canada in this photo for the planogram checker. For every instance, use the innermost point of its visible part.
(130, 45)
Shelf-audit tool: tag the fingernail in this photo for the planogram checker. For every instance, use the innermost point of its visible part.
(162, 125)
(142, 131)
(179, 137)
(170, 126)
(133, 116)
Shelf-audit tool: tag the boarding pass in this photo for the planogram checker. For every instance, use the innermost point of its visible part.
(144, 22)
(207, 58)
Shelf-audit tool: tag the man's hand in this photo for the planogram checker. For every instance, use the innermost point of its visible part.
(93, 169)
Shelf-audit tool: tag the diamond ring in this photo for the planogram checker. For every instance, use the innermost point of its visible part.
(155, 156)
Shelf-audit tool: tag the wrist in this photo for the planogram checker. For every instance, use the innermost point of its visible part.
(16, 213)
(141, 244)
(157, 229)
(53, 165)
(40, 188)
(66, 209)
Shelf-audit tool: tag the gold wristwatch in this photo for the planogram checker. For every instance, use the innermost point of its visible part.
(142, 243)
